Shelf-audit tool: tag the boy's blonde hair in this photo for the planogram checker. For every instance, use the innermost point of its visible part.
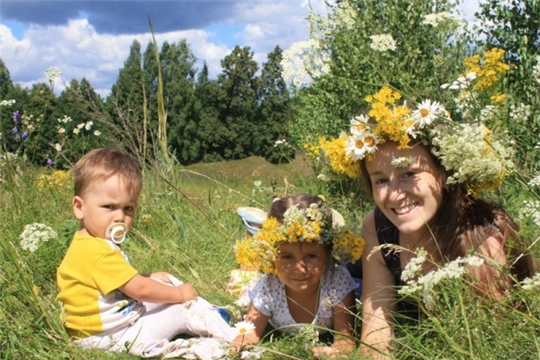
(101, 164)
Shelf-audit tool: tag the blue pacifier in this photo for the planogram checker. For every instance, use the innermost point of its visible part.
(117, 232)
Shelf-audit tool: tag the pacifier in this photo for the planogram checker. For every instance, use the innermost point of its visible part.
(117, 232)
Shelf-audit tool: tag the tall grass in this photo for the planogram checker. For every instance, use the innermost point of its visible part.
(188, 228)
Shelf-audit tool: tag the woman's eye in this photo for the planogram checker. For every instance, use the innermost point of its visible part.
(380, 181)
(312, 256)
(285, 257)
(108, 206)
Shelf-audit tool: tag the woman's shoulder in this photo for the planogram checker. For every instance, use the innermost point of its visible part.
(369, 231)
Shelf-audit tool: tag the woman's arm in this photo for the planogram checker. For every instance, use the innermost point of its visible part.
(378, 296)
(490, 280)
(259, 320)
(343, 314)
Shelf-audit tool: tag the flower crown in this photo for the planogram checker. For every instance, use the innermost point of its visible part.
(310, 225)
(467, 151)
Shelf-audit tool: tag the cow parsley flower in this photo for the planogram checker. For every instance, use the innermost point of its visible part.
(382, 42)
(531, 283)
(34, 234)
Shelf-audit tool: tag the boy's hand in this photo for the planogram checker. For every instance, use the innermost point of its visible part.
(188, 292)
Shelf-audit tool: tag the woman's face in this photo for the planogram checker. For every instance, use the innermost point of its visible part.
(409, 196)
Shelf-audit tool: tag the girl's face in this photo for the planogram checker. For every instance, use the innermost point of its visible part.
(301, 265)
(409, 196)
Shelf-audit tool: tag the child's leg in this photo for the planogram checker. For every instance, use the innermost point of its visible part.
(163, 321)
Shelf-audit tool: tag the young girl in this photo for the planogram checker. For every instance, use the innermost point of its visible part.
(424, 172)
(302, 284)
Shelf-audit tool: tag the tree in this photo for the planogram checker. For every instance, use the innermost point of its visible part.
(80, 127)
(237, 101)
(178, 83)
(211, 132)
(38, 118)
(514, 26)
(126, 102)
(363, 45)
(273, 113)
(5, 81)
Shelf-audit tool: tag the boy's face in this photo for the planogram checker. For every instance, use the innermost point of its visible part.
(104, 203)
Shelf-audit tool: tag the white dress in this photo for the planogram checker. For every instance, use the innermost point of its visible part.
(268, 296)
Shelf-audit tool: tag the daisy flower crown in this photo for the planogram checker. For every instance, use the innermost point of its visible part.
(468, 152)
(312, 225)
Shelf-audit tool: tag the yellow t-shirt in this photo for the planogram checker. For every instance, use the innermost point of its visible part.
(88, 279)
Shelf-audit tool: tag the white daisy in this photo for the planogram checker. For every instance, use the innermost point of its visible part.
(359, 124)
(244, 327)
(403, 161)
(358, 146)
(426, 113)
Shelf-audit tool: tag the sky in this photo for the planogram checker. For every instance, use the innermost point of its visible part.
(91, 38)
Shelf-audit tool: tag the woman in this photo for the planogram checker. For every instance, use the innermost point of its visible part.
(424, 172)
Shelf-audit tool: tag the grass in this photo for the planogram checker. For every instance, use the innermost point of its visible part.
(186, 224)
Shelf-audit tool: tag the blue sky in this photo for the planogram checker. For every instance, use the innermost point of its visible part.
(91, 38)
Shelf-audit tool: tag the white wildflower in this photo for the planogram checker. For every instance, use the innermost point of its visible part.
(80, 126)
(436, 19)
(382, 42)
(65, 119)
(452, 270)
(359, 124)
(97, 132)
(470, 154)
(531, 283)
(535, 181)
(520, 112)
(403, 161)
(76, 131)
(61, 130)
(414, 267)
(7, 102)
(536, 69)
(52, 73)
(244, 327)
(426, 112)
(462, 82)
(58, 147)
(88, 125)
(35, 233)
(345, 15)
(252, 354)
(304, 60)
(530, 210)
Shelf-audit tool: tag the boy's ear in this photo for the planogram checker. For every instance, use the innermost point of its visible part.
(77, 203)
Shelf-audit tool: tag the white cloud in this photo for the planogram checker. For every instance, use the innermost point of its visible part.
(78, 50)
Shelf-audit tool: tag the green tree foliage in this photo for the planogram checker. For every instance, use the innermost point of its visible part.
(211, 131)
(84, 131)
(514, 26)
(37, 113)
(126, 101)
(5, 81)
(150, 68)
(342, 46)
(237, 101)
(178, 83)
(274, 112)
